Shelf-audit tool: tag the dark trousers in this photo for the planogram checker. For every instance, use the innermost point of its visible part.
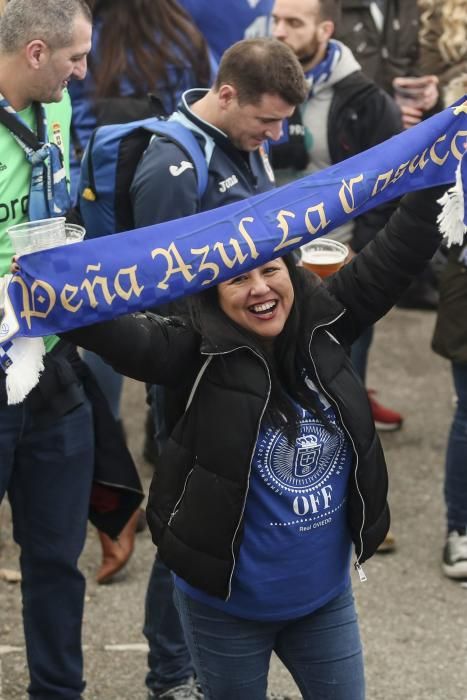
(47, 473)
(455, 481)
(169, 660)
(359, 352)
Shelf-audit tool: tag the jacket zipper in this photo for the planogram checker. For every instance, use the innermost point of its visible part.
(190, 399)
(197, 381)
(357, 565)
(174, 512)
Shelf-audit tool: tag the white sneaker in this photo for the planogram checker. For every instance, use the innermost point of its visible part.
(455, 556)
(190, 690)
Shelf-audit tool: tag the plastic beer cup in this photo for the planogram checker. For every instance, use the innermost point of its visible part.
(74, 233)
(32, 236)
(324, 256)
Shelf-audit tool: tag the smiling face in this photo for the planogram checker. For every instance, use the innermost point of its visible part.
(260, 300)
(246, 124)
(61, 65)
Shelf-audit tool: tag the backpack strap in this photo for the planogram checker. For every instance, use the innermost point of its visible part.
(187, 141)
(27, 136)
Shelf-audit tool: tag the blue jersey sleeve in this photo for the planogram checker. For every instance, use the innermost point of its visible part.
(164, 186)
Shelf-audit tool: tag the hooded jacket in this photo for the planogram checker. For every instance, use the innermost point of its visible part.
(346, 114)
(356, 115)
(198, 495)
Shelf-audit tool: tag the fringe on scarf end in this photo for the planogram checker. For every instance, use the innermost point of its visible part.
(452, 216)
(25, 369)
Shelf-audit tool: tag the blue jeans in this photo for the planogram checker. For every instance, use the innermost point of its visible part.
(110, 381)
(156, 400)
(455, 481)
(359, 352)
(168, 659)
(47, 472)
(231, 655)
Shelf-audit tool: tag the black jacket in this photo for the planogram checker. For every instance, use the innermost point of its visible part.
(198, 495)
(450, 334)
(361, 116)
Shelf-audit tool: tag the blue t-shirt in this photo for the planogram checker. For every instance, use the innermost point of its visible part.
(295, 552)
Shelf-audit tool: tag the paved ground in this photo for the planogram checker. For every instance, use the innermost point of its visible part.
(413, 620)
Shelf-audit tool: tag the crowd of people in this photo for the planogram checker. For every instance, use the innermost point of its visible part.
(241, 377)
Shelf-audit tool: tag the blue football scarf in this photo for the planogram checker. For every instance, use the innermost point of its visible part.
(322, 72)
(48, 193)
(96, 280)
(314, 77)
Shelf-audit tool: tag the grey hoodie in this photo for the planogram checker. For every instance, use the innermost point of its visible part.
(316, 111)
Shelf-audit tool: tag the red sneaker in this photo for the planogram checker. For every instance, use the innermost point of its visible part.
(385, 418)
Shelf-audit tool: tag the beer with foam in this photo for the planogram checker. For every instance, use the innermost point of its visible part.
(324, 256)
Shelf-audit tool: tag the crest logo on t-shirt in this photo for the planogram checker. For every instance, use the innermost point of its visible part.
(306, 464)
(307, 456)
(57, 135)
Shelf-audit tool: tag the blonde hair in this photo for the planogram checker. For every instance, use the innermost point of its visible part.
(446, 26)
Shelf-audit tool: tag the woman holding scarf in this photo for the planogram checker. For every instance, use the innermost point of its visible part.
(273, 469)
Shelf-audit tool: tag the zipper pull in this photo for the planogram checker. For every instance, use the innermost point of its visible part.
(361, 573)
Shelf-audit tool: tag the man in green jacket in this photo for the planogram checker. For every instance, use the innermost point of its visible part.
(46, 441)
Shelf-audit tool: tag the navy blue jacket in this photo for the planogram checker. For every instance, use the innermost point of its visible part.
(164, 186)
